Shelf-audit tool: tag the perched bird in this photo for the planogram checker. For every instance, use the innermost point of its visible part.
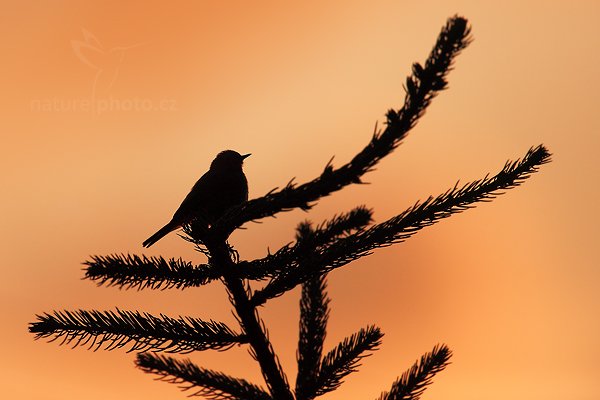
(222, 187)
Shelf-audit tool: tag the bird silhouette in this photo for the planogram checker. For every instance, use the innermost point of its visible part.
(223, 186)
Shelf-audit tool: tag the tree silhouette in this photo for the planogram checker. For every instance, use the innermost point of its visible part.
(317, 250)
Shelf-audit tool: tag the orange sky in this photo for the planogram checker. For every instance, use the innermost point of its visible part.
(511, 287)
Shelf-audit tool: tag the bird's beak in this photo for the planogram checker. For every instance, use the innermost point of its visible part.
(246, 155)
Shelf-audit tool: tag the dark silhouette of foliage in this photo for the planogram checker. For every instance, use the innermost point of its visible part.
(317, 250)
(210, 384)
(142, 272)
(314, 313)
(115, 329)
(421, 87)
(413, 382)
(345, 358)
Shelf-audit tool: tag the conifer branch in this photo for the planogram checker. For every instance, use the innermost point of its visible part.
(204, 382)
(345, 358)
(142, 272)
(252, 325)
(314, 313)
(116, 329)
(421, 87)
(415, 380)
(339, 226)
(406, 224)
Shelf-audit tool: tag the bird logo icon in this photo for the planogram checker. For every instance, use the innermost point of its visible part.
(106, 62)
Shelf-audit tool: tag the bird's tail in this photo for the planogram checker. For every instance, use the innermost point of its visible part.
(170, 227)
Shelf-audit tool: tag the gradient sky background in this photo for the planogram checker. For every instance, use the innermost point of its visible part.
(511, 286)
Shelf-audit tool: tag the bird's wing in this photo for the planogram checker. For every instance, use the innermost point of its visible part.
(193, 201)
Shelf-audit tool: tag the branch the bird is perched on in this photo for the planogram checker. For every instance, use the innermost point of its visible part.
(421, 88)
(218, 204)
(219, 189)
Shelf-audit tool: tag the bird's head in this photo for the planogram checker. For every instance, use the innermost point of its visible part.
(227, 160)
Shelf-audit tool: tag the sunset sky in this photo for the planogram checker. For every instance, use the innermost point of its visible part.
(112, 110)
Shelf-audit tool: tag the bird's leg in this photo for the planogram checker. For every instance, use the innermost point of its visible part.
(233, 253)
